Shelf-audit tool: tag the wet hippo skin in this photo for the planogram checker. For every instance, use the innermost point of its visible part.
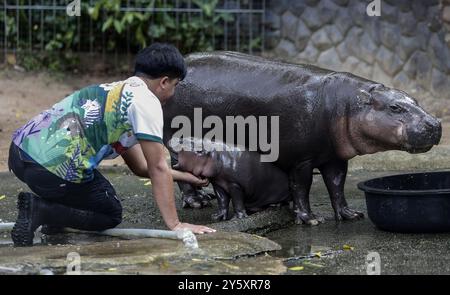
(325, 117)
(235, 175)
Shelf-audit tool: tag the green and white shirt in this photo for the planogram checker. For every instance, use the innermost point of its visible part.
(95, 123)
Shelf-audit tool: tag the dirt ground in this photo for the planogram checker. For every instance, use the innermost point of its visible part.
(24, 95)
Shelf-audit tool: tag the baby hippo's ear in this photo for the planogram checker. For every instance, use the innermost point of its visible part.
(364, 97)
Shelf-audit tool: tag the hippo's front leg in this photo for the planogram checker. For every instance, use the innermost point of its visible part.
(300, 180)
(334, 174)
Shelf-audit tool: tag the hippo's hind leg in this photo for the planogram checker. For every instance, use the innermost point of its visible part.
(300, 180)
(223, 202)
(334, 174)
(237, 197)
(192, 197)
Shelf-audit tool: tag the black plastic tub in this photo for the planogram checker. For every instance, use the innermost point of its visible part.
(414, 203)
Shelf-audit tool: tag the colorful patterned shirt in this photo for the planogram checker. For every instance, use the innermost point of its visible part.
(95, 123)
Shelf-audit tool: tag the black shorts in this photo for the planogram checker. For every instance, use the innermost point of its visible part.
(97, 195)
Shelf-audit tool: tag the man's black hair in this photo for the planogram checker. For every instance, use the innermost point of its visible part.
(158, 60)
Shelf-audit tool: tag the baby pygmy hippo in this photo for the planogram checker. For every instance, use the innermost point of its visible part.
(235, 174)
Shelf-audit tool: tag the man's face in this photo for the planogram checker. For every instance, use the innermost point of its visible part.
(168, 88)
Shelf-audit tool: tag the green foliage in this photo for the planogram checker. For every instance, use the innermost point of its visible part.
(121, 28)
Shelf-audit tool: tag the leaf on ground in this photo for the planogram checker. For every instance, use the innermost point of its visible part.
(318, 254)
(2, 197)
(148, 183)
(296, 268)
(347, 247)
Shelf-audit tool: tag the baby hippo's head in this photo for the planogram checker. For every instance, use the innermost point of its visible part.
(194, 158)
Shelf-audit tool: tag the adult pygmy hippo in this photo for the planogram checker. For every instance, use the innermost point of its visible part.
(235, 175)
(325, 117)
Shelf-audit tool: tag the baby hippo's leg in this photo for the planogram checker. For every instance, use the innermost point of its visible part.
(223, 201)
(237, 197)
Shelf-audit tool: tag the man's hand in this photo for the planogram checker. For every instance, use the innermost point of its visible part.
(162, 181)
(188, 177)
(196, 229)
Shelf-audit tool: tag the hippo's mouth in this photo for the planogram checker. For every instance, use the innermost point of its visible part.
(417, 150)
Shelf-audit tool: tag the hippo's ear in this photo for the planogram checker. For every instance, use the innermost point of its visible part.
(364, 97)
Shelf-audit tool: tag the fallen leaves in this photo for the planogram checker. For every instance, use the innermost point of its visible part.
(347, 247)
(2, 197)
(147, 181)
(296, 268)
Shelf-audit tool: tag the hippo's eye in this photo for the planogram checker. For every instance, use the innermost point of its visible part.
(396, 108)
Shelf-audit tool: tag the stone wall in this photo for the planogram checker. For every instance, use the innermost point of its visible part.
(406, 47)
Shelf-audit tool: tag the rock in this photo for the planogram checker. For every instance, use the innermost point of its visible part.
(286, 48)
(312, 18)
(419, 9)
(403, 5)
(368, 49)
(389, 35)
(401, 81)
(389, 61)
(410, 68)
(310, 54)
(273, 20)
(46, 272)
(350, 64)
(439, 53)
(380, 76)
(440, 83)
(352, 41)
(278, 7)
(407, 24)
(289, 24)
(341, 2)
(326, 13)
(389, 13)
(321, 40)
(297, 7)
(343, 21)
(358, 12)
(423, 69)
(422, 35)
(406, 47)
(371, 27)
(303, 35)
(334, 34)
(435, 24)
(329, 59)
(312, 3)
(342, 50)
(272, 39)
(364, 70)
(446, 14)
(153, 256)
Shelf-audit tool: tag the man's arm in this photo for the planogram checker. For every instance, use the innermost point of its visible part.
(135, 160)
(162, 185)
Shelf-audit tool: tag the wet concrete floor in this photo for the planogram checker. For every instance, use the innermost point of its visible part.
(330, 248)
